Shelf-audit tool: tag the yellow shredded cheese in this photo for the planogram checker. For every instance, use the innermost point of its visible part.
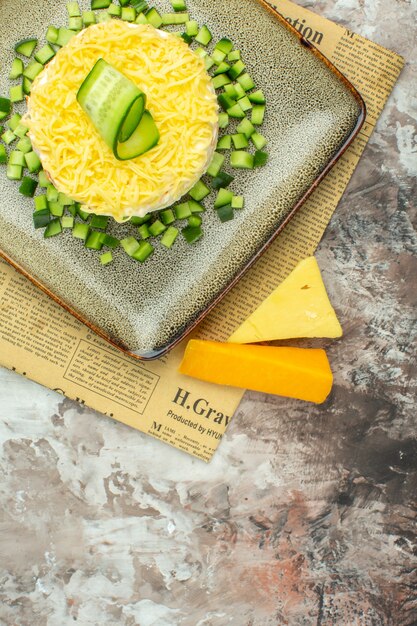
(179, 96)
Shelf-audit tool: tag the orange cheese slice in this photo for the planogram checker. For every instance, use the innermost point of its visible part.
(300, 373)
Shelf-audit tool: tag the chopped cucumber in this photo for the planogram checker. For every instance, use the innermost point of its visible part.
(224, 45)
(16, 93)
(245, 103)
(5, 105)
(13, 122)
(187, 38)
(216, 164)
(3, 115)
(257, 97)
(154, 18)
(242, 160)
(194, 220)
(89, 18)
(83, 214)
(225, 101)
(41, 203)
(3, 155)
(144, 251)
(8, 137)
(204, 36)
(178, 5)
(238, 202)
(28, 187)
(234, 55)
(195, 207)
(32, 70)
(191, 28)
(245, 81)
(230, 90)
(259, 141)
(199, 191)
(73, 9)
(258, 113)
(64, 36)
(67, 221)
(223, 120)
(75, 23)
(208, 62)
(225, 213)
(236, 111)
(224, 143)
(45, 54)
(42, 177)
(109, 241)
(14, 172)
(169, 236)
(200, 52)
(114, 10)
(130, 245)
(123, 3)
(17, 69)
(52, 194)
(99, 221)
(138, 221)
(222, 69)
(56, 209)
(167, 216)
(17, 158)
(260, 158)
(103, 16)
(222, 180)
(106, 258)
(218, 56)
(26, 47)
(246, 127)
(157, 228)
(141, 19)
(224, 196)
(236, 69)
(27, 85)
(240, 92)
(174, 18)
(80, 231)
(144, 231)
(128, 14)
(21, 131)
(93, 241)
(240, 141)
(33, 162)
(192, 233)
(220, 80)
(139, 5)
(100, 4)
(53, 228)
(41, 218)
(182, 211)
(52, 34)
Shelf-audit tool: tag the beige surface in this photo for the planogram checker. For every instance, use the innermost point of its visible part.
(45, 343)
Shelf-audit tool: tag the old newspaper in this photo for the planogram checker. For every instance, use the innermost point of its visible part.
(43, 342)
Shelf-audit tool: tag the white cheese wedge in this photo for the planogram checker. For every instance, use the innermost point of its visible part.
(299, 307)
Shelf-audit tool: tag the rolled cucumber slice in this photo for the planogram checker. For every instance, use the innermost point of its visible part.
(116, 107)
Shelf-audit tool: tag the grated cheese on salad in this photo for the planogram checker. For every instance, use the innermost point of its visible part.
(180, 98)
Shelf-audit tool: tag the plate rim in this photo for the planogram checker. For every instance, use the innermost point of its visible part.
(153, 355)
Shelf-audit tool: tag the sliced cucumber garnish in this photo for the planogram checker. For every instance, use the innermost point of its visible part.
(116, 107)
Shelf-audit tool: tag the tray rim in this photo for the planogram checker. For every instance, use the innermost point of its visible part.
(153, 355)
